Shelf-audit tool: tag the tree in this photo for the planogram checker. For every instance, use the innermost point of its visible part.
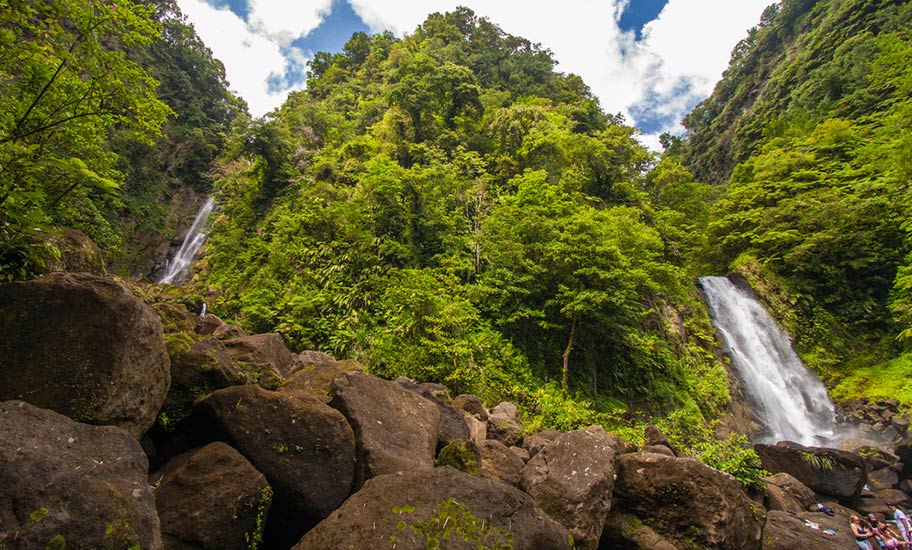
(65, 81)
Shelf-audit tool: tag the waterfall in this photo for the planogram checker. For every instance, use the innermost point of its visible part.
(178, 266)
(790, 402)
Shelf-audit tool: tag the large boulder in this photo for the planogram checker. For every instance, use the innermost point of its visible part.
(500, 463)
(305, 448)
(264, 353)
(687, 501)
(572, 479)
(83, 346)
(211, 498)
(78, 253)
(316, 378)
(69, 485)
(784, 492)
(413, 510)
(453, 426)
(624, 532)
(395, 429)
(504, 424)
(831, 472)
(785, 531)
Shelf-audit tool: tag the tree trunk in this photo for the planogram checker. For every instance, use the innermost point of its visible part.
(565, 376)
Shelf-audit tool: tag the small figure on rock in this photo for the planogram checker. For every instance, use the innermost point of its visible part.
(902, 522)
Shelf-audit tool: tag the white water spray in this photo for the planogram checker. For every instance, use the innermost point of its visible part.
(789, 400)
(179, 265)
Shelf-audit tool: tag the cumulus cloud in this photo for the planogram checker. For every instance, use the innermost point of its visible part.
(652, 81)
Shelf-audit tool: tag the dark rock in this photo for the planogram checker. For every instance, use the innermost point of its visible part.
(785, 531)
(66, 484)
(884, 478)
(786, 493)
(537, 441)
(504, 424)
(316, 378)
(472, 405)
(653, 436)
(207, 324)
(83, 346)
(572, 480)
(305, 448)
(78, 253)
(659, 450)
(228, 332)
(463, 455)
(407, 509)
(452, 425)
(211, 498)
(500, 463)
(687, 501)
(261, 350)
(624, 531)
(395, 429)
(521, 453)
(478, 430)
(313, 357)
(839, 474)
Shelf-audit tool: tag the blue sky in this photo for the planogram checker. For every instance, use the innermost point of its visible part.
(650, 60)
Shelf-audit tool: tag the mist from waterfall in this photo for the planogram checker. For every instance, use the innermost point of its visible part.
(179, 265)
(789, 400)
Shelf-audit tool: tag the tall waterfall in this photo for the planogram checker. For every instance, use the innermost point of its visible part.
(788, 399)
(179, 264)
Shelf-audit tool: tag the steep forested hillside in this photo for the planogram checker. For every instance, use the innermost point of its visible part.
(105, 111)
(808, 138)
(447, 207)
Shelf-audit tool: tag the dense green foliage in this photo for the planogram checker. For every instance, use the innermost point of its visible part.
(86, 91)
(809, 130)
(448, 208)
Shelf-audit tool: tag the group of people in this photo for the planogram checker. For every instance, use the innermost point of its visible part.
(885, 536)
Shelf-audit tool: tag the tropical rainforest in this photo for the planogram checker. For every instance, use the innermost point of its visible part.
(447, 207)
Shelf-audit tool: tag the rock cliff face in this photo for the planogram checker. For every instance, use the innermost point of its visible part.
(258, 447)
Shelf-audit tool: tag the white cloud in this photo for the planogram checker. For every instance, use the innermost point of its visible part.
(691, 40)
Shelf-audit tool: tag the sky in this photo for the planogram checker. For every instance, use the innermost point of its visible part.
(650, 60)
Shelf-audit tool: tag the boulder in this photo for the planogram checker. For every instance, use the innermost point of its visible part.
(785, 531)
(464, 455)
(884, 478)
(78, 253)
(452, 425)
(786, 493)
(211, 498)
(572, 480)
(504, 424)
(624, 531)
(500, 463)
(687, 501)
(66, 484)
(839, 474)
(228, 332)
(313, 357)
(83, 346)
(653, 436)
(305, 448)
(472, 405)
(395, 429)
(411, 509)
(316, 378)
(537, 441)
(521, 453)
(478, 430)
(260, 352)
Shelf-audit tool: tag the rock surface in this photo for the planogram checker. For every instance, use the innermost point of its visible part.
(784, 531)
(687, 501)
(572, 479)
(83, 346)
(211, 498)
(69, 485)
(408, 509)
(839, 474)
(395, 429)
(500, 463)
(305, 448)
(264, 352)
(504, 424)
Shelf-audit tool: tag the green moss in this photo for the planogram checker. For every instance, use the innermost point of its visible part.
(889, 380)
(254, 537)
(57, 542)
(39, 514)
(461, 455)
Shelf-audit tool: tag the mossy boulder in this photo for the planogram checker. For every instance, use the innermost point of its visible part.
(78, 253)
(69, 485)
(84, 346)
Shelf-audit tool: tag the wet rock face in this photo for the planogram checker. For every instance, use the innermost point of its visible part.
(839, 474)
(687, 501)
(69, 485)
(83, 346)
(211, 498)
(407, 509)
(305, 449)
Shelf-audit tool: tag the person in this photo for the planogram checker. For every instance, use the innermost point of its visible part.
(861, 534)
(884, 535)
(902, 522)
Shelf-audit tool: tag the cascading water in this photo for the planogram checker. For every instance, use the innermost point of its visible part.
(789, 400)
(179, 264)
